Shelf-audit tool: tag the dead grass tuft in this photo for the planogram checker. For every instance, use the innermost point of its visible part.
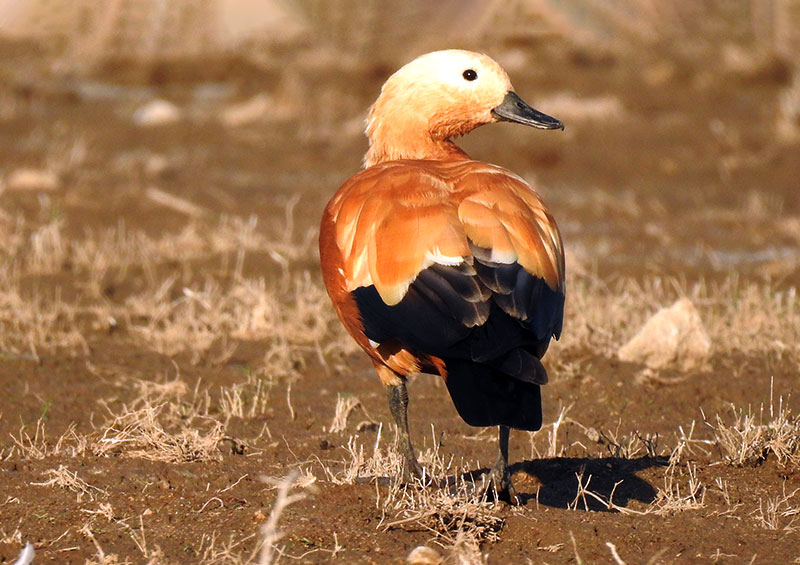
(748, 438)
(248, 399)
(457, 512)
(567, 437)
(13, 537)
(66, 479)
(679, 495)
(46, 248)
(779, 513)
(48, 251)
(360, 467)
(151, 555)
(37, 446)
(212, 550)
(140, 433)
(465, 549)
(345, 406)
(166, 422)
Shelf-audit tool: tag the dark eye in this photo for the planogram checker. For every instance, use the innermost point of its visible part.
(470, 75)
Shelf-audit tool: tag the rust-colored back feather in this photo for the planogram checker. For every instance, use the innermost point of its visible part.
(393, 220)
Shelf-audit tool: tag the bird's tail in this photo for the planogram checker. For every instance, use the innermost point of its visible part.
(485, 396)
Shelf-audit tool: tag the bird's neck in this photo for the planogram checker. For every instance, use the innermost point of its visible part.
(420, 148)
(394, 134)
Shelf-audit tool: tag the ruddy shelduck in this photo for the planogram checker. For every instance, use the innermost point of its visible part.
(439, 264)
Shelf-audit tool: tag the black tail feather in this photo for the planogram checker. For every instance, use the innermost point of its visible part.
(484, 396)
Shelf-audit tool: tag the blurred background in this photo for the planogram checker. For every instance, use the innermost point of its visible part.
(680, 154)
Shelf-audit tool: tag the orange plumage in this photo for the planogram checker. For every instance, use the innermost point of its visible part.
(437, 263)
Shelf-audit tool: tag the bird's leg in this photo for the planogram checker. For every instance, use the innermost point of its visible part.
(398, 403)
(500, 475)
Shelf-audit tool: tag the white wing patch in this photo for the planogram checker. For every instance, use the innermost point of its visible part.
(436, 256)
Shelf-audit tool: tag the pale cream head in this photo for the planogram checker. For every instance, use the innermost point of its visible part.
(432, 99)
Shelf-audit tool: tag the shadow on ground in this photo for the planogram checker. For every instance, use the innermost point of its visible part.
(558, 480)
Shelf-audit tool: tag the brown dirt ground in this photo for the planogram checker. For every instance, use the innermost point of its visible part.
(660, 158)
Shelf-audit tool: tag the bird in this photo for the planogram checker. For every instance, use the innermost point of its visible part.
(437, 263)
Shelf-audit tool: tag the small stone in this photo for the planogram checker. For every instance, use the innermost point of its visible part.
(157, 166)
(673, 337)
(259, 108)
(33, 179)
(157, 113)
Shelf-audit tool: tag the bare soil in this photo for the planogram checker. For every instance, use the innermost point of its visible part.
(684, 185)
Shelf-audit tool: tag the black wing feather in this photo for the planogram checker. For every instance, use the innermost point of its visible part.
(477, 312)
(489, 322)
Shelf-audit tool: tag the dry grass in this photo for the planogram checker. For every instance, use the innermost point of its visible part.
(213, 550)
(248, 399)
(787, 123)
(461, 519)
(203, 317)
(189, 294)
(35, 445)
(748, 438)
(567, 437)
(270, 535)
(131, 433)
(457, 507)
(457, 511)
(171, 422)
(151, 554)
(46, 248)
(779, 513)
(31, 323)
(166, 422)
(681, 491)
(748, 318)
(14, 537)
(208, 319)
(345, 406)
(66, 479)
(362, 467)
(140, 433)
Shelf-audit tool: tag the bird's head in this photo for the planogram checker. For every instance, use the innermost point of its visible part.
(439, 96)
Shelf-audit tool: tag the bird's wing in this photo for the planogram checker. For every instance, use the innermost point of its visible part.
(516, 247)
(392, 222)
(431, 251)
(503, 215)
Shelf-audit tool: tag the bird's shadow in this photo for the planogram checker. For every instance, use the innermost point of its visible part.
(611, 481)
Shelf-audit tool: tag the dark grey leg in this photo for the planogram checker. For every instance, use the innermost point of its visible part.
(398, 404)
(500, 475)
